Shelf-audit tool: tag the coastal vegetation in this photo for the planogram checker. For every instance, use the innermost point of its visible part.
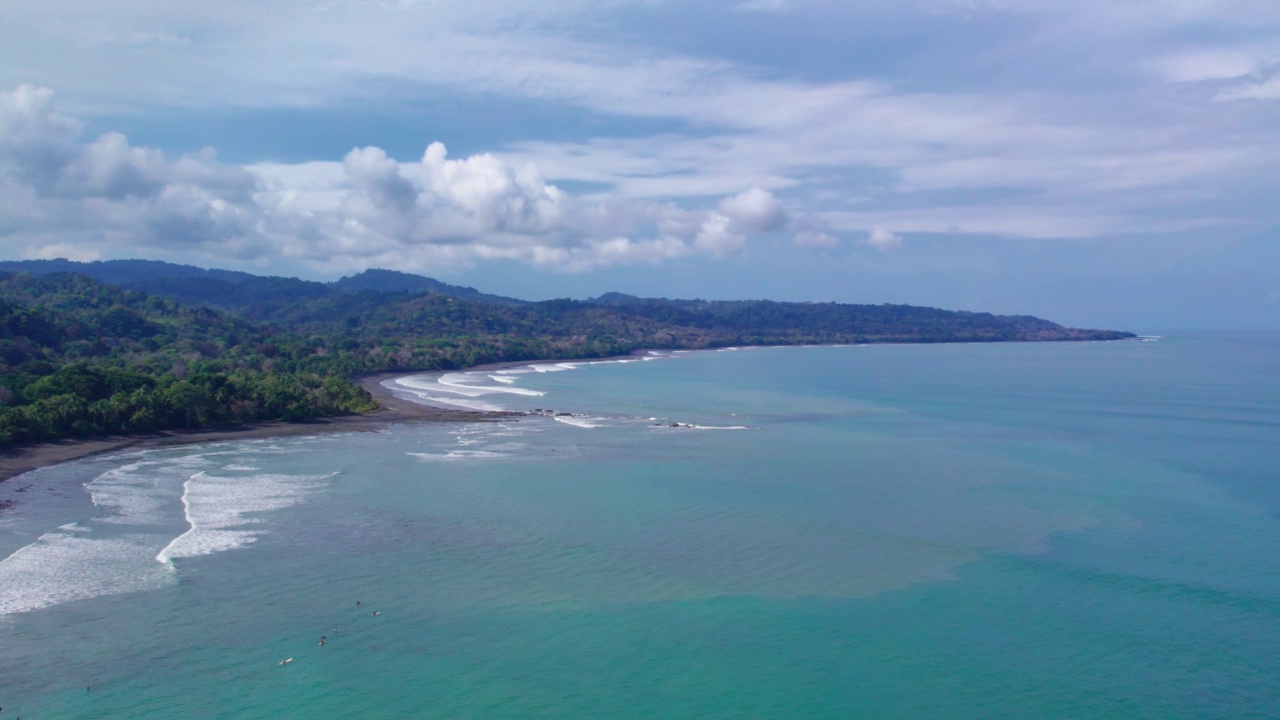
(148, 346)
(81, 358)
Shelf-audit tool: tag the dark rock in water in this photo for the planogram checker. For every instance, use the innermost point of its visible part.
(564, 414)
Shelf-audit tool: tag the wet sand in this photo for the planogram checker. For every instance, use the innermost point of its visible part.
(392, 410)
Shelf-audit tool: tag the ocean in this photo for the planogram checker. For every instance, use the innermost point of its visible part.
(1057, 530)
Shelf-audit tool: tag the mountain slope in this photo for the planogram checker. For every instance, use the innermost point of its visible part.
(394, 281)
(229, 289)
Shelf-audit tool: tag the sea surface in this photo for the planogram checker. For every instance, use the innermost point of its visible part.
(1060, 530)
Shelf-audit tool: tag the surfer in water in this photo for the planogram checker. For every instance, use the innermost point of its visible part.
(323, 639)
(286, 661)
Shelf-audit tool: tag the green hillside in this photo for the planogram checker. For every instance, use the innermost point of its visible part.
(80, 357)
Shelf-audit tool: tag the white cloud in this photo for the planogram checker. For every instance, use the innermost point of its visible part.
(883, 239)
(61, 195)
(755, 210)
(107, 190)
(715, 237)
(377, 177)
(1074, 110)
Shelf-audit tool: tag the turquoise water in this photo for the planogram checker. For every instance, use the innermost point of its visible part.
(970, 531)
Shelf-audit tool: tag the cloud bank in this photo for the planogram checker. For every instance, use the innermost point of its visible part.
(632, 140)
(61, 195)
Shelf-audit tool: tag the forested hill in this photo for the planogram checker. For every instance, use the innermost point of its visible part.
(240, 291)
(121, 272)
(403, 304)
(764, 321)
(80, 357)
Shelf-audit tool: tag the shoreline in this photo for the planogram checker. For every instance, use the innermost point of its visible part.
(392, 410)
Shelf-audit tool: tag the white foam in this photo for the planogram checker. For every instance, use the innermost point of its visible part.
(458, 402)
(550, 367)
(692, 426)
(508, 448)
(64, 565)
(576, 421)
(137, 493)
(470, 429)
(219, 510)
(458, 390)
(460, 383)
(93, 558)
(455, 455)
(464, 389)
(513, 430)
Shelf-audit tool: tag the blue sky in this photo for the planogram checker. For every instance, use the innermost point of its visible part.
(1098, 163)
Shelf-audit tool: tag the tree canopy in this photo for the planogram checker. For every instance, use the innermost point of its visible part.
(80, 357)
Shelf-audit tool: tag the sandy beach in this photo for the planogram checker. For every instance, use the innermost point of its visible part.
(392, 410)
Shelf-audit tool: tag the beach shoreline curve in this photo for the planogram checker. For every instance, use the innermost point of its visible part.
(391, 410)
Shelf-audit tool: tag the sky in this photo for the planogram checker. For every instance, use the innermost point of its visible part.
(1101, 163)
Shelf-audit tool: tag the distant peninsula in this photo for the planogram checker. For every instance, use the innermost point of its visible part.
(138, 346)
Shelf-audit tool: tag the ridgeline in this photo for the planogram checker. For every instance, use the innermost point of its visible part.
(130, 346)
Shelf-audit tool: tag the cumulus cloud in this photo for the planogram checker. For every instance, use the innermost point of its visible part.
(57, 192)
(1091, 131)
(755, 210)
(41, 148)
(883, 239)
(62, 195)
(377, 178)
